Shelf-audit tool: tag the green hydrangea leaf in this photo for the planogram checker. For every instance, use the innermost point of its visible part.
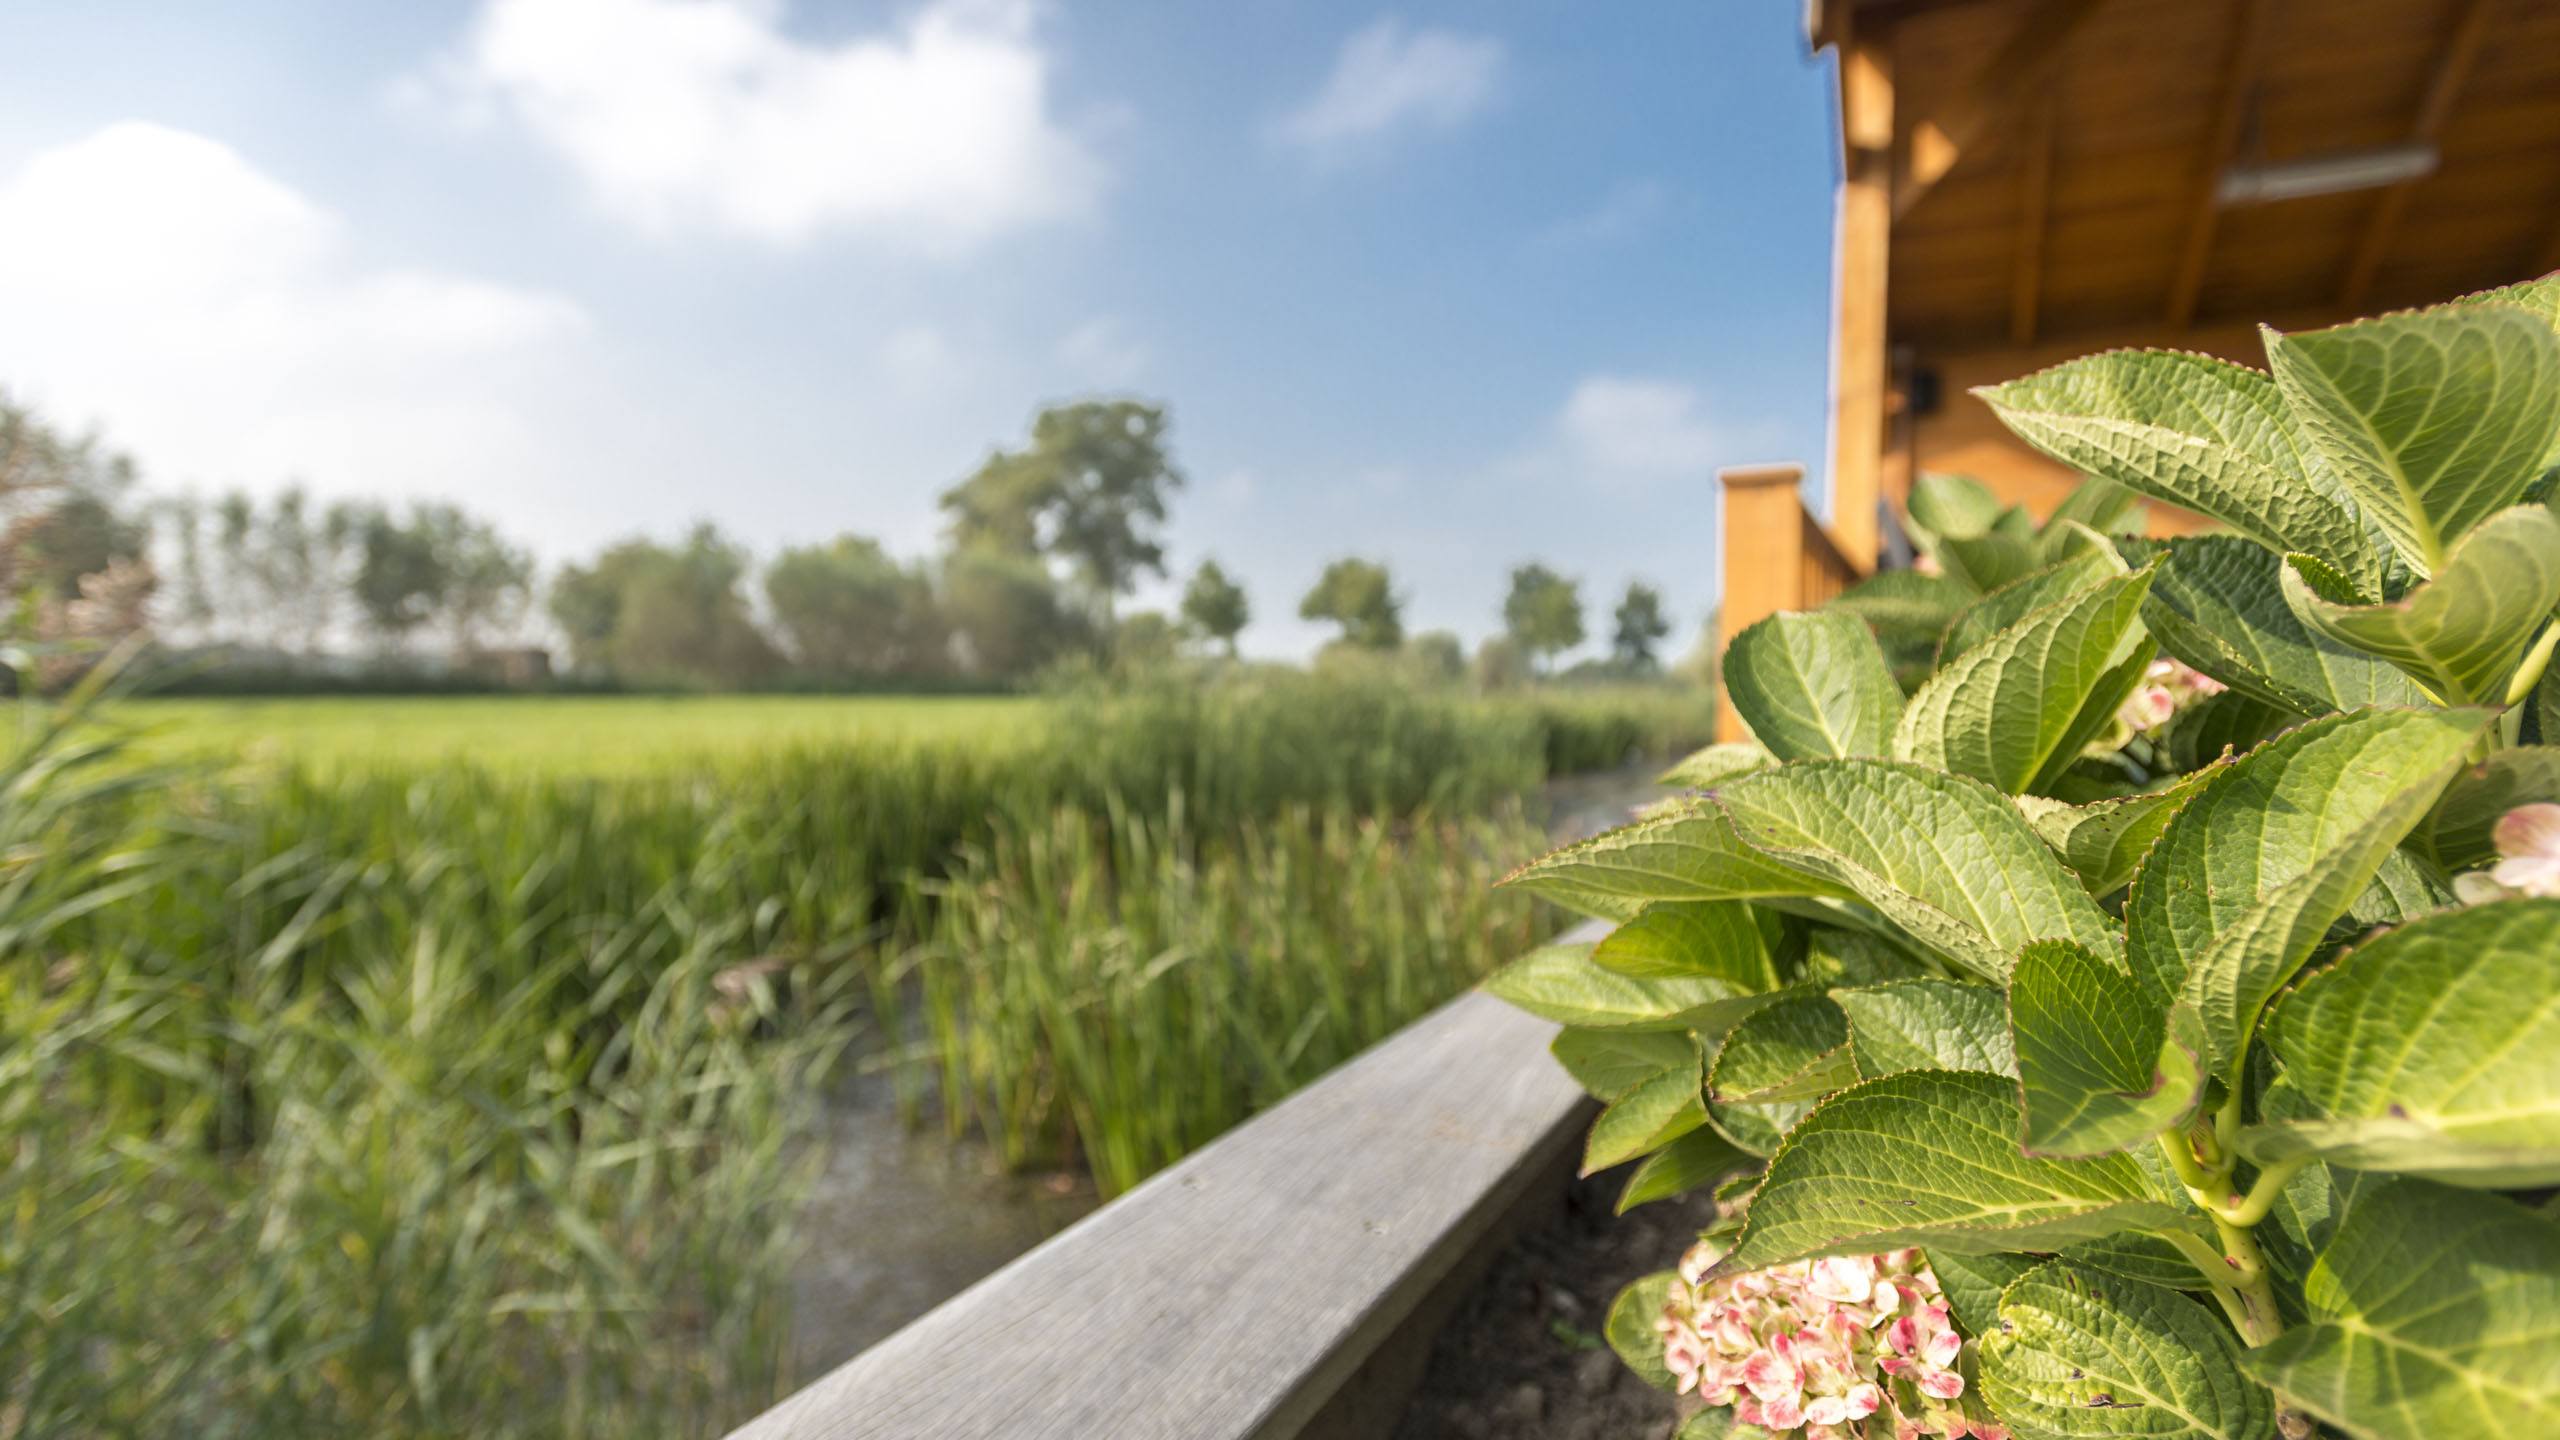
(2463, 633)
(2099, 1066)
(2105, 840)
(1930, 1158)
(1609, 1063)
(2218, 604)
(2231, 723)
(1926, 1024)
(1812, 686)
(1705, 769)
(2457, 833)
(2433, 420)
(1941, 856)
(1957, 506)
(1700, 1157)
(1560, 983)
(2434, 1312)
(2013, 602)
(1795, 1049)
(2250, 872)
(1630, 1331)
(2081, 1354)
(2146, 1258)
(1972, 1285)
(2197, 432)
(1655, 1112)
(1727, 940)
(1688, 851)
(2006, 711)
(2433, 1050)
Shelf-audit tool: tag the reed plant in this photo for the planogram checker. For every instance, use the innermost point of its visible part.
(411, 1099)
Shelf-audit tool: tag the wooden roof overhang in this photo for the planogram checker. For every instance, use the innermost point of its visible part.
(2049, 178)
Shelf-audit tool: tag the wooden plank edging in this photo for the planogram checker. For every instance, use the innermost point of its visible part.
(1232, 1294)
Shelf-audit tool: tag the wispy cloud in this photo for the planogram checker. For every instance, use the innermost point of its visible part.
(1633, 426)
(212, 317)
(1389, 79)
(704, 115)
(1629, 208)
(1102, 352)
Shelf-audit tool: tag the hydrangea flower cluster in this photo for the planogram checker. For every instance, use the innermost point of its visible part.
(2528, 841)
(1854, 1347)
(2168, 687)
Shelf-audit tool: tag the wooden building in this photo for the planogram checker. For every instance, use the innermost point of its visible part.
(2024, 181)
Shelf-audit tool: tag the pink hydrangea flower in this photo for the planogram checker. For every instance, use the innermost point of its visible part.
(2168, 687)
(1854, 1347)
(2528, 841)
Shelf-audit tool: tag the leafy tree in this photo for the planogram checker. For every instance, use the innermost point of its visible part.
(1641, 626)
(1499, 665)
(846, 608)
(1543, 612)
(488, 582)
(1147, 640)
(400, 580)
(1359, 596)
(1006, 614)
(663, 615)
(1437, 655)
(1215, 606)
(1090, 490)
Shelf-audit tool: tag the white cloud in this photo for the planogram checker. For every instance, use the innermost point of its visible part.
(1101, 351)
(1641, 427)
(703, 115)
(214, 321)
(1389, 78)
(1630, 206)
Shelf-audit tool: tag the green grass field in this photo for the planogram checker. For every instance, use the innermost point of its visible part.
(563, 734)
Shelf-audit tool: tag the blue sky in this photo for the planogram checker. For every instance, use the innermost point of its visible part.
(1455, 287)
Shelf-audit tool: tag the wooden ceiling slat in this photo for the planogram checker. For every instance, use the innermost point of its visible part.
(2023, 65)
(2150, 110)
(2222, 139)
(2452, 68)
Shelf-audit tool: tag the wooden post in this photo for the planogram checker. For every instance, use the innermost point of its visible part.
(1858, 354)
(1764, 536)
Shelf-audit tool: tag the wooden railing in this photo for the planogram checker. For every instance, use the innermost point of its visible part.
(1777, 556)
(1283, 1282)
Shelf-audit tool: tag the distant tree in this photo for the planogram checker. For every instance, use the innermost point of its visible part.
(1499, 665)
(1641, 626)
(1146, 640)
(488, 582)
(1359, 596)
(1437, 655)
(1089, 491)
(1215, 606)
(1543, 612)
(400, 579)
(1007, 616)
(663, 615)
(846, 608)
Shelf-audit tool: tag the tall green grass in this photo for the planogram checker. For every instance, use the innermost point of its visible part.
(424, 1100)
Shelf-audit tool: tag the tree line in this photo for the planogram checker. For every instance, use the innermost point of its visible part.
(1042, 545)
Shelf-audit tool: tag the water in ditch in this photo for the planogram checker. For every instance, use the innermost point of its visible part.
(902, 1219)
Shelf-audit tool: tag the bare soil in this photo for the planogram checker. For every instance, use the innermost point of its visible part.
(1523, 1359)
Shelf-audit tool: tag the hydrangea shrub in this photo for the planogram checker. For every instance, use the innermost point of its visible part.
(2117, 993)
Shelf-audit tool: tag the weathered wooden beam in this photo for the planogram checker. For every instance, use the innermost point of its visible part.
(2035, 199)
(1777, 556)
(2453, 65)
(1231, 1296)
(1865, 267)
(2022, 67)
(2221, 141)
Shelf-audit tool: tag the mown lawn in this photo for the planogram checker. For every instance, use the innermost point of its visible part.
(566, 734)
